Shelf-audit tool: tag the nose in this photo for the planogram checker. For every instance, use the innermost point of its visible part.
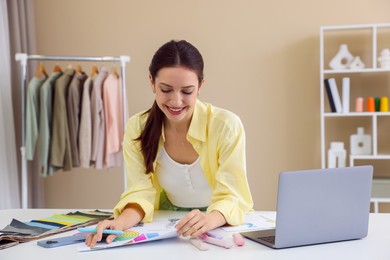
(176, 99)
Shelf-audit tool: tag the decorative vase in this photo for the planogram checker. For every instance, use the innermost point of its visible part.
(384, 59)
(360, 143)
(357, 63)
(336, 155)
(342, 60)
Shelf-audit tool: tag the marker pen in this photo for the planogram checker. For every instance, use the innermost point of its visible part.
(105, 231)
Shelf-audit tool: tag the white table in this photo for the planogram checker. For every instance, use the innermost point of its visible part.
(375, 246)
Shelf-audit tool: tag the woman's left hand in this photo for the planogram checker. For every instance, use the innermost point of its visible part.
(195, 223)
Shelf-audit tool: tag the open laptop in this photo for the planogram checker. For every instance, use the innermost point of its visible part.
(319, 206)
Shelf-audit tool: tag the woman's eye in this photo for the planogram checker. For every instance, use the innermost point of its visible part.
(165, 90)
(187, 92)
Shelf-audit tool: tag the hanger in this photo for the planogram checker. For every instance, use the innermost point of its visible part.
(41, 70)
(114, 72)
(79, 69)
(94, 70)
(57, 68)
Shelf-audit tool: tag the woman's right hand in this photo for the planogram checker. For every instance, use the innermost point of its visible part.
(130, 216)
(93, 238)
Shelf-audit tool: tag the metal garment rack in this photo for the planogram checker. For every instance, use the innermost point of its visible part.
(23, 58)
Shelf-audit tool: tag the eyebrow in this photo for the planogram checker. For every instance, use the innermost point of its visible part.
(167, 85)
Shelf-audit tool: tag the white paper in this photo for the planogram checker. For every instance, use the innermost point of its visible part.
(255, 221)
(160, 228)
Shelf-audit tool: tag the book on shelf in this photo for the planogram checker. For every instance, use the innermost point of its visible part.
(330, 97)
(333, 95)
(345, 87)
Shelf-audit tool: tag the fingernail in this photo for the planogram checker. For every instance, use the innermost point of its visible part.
(202, 236)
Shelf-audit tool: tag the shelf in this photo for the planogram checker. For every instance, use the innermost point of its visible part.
(366, 41)
(354, 26)
(370, 157)
(349, 71)
(380, 188)
(333, 114)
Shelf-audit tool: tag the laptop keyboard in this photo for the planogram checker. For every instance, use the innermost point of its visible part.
(270, 239)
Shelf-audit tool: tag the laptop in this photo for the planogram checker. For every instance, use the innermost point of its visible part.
(319, 206)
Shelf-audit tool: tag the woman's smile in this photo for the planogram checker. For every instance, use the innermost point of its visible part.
(175, 110)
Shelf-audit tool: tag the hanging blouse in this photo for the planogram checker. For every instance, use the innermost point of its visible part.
(45, 122)
(85, 132)
(97, 112)
(113, 114)
(61, 154)
(32, 115)
(73, 107)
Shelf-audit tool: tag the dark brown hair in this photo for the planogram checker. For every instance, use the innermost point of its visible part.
(171, 54)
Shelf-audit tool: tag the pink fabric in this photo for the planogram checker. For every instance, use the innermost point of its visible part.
(112, 99)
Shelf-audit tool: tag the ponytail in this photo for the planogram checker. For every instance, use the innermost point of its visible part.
(150, 136)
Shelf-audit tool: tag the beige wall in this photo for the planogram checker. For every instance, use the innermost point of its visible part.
(262, 62)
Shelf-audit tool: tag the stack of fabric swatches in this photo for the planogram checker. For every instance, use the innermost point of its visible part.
(18, 231)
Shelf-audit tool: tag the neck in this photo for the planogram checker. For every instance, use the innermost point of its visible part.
(177, 128)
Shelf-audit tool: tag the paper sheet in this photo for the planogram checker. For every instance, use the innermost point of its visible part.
(160, 228)
(255, 221)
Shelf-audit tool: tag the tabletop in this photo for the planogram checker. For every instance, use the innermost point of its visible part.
(374, 246)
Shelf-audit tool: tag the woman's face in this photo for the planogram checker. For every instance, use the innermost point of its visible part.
(176, 91)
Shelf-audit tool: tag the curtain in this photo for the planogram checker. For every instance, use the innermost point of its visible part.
(9, 183)
(21, 24)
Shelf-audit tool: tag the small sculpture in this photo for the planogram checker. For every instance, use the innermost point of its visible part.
(342, 60)
(384, 59)
(357, 63)
(360, 143)
(336, 155)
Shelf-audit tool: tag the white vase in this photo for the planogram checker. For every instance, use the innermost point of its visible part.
(336, 155)
(342, 60)
(360, 143)
(357, 63)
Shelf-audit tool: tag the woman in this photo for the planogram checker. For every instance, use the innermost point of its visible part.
(182, 154)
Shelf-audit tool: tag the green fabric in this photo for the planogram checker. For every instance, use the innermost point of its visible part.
(165, 204)
(32, 115)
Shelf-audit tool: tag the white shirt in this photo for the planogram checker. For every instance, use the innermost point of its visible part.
(185, 184)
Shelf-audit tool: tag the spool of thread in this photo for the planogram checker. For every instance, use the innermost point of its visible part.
(370, 105)
(384, 106)
(359, 104)
(377, 104)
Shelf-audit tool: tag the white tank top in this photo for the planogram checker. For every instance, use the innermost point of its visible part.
(184, 184)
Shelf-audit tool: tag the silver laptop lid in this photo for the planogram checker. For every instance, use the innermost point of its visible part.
(326, 205)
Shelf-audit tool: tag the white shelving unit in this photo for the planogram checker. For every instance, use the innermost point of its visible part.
(377, 37)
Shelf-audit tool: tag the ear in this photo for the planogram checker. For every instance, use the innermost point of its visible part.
(152, 85)
(200, 86)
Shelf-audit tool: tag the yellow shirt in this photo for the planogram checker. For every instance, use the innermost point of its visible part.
(218, 136)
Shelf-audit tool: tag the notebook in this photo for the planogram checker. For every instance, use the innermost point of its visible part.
(319, 206)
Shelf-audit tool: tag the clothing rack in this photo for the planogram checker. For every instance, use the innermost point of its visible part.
(23, 58)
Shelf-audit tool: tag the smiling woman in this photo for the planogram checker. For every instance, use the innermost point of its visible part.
(182, 154)
(176, 92)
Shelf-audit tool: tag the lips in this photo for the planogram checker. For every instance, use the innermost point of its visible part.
(175, 111)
